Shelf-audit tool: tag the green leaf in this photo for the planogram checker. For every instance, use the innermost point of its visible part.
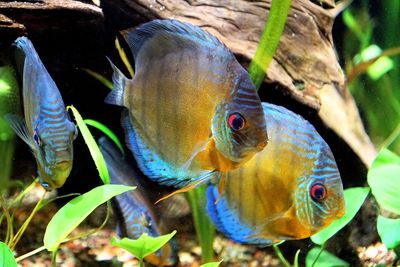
(93, 147)
(107, 131)
(211, 264)
(6, 256)
(144, 245)
(326, 259)
(384, 180)
(354, 198)
(388, 230)
(378, 68)
(106, 82)
(75, 211)
(269, 40)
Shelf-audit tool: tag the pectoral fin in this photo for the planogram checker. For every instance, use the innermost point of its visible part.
(199, 180)
(18, 124)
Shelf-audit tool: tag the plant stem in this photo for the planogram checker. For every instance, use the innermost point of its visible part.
(280, 256)
(26, 223)
(204, 228)
(392, 137)
(10, 230)
(31, 253)
(95, 230)
(54, 258)
(319, 254)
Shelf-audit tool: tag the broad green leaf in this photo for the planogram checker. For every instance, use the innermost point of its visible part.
(144, 245)
(326, 259)
(6, 256)
(75, 211)
(93, 147)
(354, 198)
(211, 264)
(388, 230)
(107, 131)
(384, 180)
(269, 40)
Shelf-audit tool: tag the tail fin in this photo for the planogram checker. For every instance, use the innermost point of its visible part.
(116, 97)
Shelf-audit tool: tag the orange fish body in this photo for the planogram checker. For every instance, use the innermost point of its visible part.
(192, 108)
(290, 190)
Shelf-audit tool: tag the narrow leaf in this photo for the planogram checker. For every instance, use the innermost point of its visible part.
(144, 245)
(93, 147)
(75, 211)
(212, 264)
(269, 40)
(326, 259)
(354, 198)
(107, 131)
(384, 180)
(6, 256)
(124, 58)
(388, 230)
(106, 82)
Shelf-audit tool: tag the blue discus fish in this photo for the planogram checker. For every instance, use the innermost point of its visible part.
(135, 212)
(290, 190)
(46, 129)
(191, 108)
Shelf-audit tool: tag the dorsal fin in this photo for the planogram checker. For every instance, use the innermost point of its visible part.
(169, 28)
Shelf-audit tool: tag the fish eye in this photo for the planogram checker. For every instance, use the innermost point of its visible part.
(236, 121)
(36, 138)
(318, 192)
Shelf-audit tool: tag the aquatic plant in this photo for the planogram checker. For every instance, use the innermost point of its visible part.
(8, 91)
(269, 40)
(70, 215)
(371, 55)
(143, 246)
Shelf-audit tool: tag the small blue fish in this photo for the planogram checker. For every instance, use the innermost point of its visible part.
(290, 190)
(135, 212)
(46, 129)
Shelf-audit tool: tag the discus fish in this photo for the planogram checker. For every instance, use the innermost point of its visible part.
(191, 107)
(290, 190)
(46, 129)
(135, 212)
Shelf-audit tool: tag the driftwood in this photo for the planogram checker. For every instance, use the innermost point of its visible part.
(305, 65)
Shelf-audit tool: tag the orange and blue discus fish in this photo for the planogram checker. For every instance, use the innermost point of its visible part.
(46, 129)
(136, 214)
(191, 107)
(290, 190)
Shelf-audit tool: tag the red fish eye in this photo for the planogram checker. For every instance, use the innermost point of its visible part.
(318, 192)
(236, 121)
